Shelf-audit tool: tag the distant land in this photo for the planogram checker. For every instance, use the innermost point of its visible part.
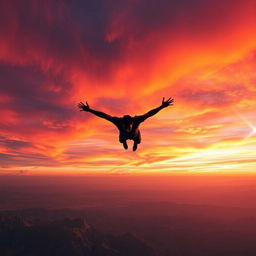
(86, 218)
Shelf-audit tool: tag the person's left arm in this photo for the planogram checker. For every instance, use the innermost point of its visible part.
(86, 107)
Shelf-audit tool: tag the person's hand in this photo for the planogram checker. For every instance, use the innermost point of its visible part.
(167, 103)
(83, 107)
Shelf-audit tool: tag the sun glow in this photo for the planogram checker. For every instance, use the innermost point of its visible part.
(252, 127)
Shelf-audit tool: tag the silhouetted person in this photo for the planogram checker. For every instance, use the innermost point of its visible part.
(128, 126)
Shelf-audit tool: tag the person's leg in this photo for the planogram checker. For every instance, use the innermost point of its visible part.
(137, 140)
(135, 145)
(125, 145)
(123, 141)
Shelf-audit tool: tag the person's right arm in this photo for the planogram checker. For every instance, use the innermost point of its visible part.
(87, 108)
(154, 111)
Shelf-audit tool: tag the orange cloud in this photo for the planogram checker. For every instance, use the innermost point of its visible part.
(122, 58)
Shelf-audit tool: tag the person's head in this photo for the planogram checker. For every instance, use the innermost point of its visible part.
(127, 123)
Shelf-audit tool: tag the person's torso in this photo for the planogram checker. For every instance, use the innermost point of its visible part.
(128, 134)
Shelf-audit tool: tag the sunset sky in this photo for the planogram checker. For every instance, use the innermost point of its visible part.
(123, 57)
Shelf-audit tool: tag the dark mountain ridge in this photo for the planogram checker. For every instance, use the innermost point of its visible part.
(71, 237)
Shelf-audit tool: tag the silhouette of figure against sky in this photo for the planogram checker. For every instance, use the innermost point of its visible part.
(128, 126)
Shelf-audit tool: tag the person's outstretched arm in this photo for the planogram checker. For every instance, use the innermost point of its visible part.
(87, 108)
(152, 112)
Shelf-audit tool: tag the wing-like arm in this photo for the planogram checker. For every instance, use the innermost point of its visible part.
(152, 112)
(87, 108)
